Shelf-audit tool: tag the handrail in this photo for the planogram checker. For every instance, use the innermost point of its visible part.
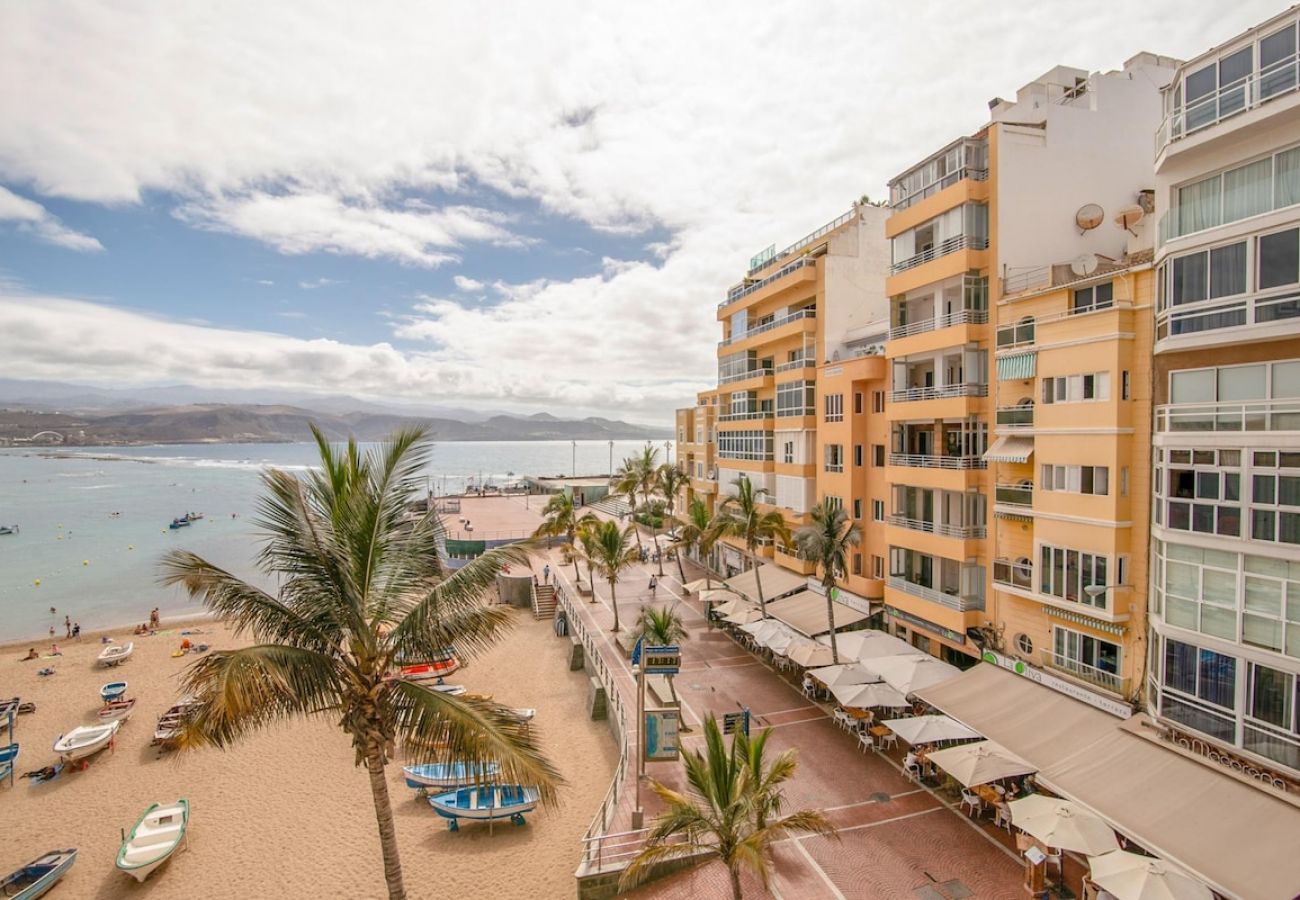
(738, 291)
(1021, 495)
(934, 323)
(1008, 572)
(1252, 415)
(1015, 416)
(1110, 681)
(1275, 80)
(941, 183)
(745, 376)
(810, 313)
(805, 240)
(943, 248)
(934, 461)
(908, 395)
(806, 363)
(955, 602)
(742, 416)
(964, 532)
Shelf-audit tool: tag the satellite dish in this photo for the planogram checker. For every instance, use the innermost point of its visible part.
(1088, 217)
(1084, 264)
(1129, 216)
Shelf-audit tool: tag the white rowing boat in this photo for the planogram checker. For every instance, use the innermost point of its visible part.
(154, 838)
(115, 654)
(85, 740)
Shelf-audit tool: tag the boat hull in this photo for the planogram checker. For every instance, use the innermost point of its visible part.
(447, 775)
(85, 740)
(38, 876)
(113, 691)
(154, 839)
(112, 656)
(117, 711)
(485, 804)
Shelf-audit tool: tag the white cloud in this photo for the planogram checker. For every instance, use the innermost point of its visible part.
(318, 283)
(468, 285)
(37, 220)
(265, 281)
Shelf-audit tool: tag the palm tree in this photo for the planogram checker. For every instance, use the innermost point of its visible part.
(670, 479)
(612, 554)
(585, 549)
(739, 517)
(627, 483)
(730, 811)
(827, 541)
(362, 589)
(561, 518)
(661, 626)
(693, 534)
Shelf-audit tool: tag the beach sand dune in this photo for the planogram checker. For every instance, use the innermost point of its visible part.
(286, 813)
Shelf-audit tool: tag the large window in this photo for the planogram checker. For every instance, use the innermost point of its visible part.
(834, 455)
(834, 411)
(1279, 259)
(796, 398)
(752, 445)
(1209, 274)
(1246, 190)
(1076, 479)
(1076, 388)
(1097, 296)
(1216, 491)
(1067, 573)
(1085, 650)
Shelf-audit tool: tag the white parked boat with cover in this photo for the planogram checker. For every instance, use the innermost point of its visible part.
(85, 740)
(154, 838)
(114, 654)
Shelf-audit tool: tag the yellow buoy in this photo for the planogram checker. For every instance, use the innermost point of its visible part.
(130, 546)
(37, 582)
(59, 538)
(85, 562)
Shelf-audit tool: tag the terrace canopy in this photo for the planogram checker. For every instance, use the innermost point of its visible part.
(777, 583)
(805, 612)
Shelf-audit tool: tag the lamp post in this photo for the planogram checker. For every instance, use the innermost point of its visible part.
(573, 465)
(611, 459)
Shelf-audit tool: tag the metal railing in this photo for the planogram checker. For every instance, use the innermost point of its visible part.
(1027, 279)
(1014, 574)
(1216, 315)
(934, 323)
(1020, 334)
(964, 532)
(941, 392)
(804, 241)
(940, 184)
(834, 467)
(950, 601)
(745, 376)
(1015, 416)
(1107, 681)
(761, 413)
(793, 364)
(742, 290)
(931, 461)
(1252, 415)
(1275, 80)
(943, 248)
(768, 326)
(1020, 495)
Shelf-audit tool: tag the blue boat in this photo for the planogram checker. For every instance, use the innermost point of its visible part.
(7, 757)
(448, 775)
(485, 804)
(113, 691)
(38, 876)
(179, 523)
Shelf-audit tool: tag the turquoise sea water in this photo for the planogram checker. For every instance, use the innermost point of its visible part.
(101, 568)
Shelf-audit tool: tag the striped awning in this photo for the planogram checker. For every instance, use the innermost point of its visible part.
(1011, 449)
(1017, 366)
(1114, 628)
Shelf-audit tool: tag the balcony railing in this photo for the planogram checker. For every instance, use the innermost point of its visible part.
(1107, 681)
(943, 248)
(934, 323)
(955, 602)
(793, 364)
(1216, 315)
(762, 413)
(745, 376)
(1019, 335)
(804, 241)
(1015, 416)
(1019, 495)
(931, 461)
(1254, 415)
(775, 323)
(745, 288)
(1013, 574)
(834, 467)
(941, 392)
(963, 532)
(939, 184)
(1274, 80)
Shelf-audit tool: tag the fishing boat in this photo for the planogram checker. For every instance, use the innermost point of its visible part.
(173, 721)
(15, 705)
(85, 740)
(423, 671)
(112, 691)
(117, 711)
(114, 654)
(179, 523)
(7, 757)
(448, 775)
(154, 838)
(38, 876)
(485, 804)
(8, 529)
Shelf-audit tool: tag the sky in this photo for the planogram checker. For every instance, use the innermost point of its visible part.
(509, 206)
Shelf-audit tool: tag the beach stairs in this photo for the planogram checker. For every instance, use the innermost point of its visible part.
(612, 506)
(544, 601)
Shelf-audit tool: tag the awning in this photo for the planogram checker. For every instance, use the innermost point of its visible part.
(805, 612)
(1017, 366)
(1013, 449)
(777, 582)
(1183, 810)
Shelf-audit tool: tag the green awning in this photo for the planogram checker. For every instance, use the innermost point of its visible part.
(1018, 366)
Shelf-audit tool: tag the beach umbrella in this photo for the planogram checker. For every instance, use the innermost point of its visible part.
(843, 674)
(930, 729)
(724, 601)
(1062, 823)
(692, 586)
(865, 696)
(760, 628)
(980, 763)
(779, 641)
(868, 645)
(909, 672)
(1131, 876)
(810, 653)
(744, 616)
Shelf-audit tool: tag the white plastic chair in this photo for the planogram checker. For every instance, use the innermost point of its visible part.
(888, 740)
(842, 719)
(1002, 817)
(809, 689)
(971, 800)
(913, 772)
(1054, 858)
(865, 742)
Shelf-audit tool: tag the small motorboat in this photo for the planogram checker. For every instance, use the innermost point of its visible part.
(485, 804)
(85, 740)
(9, 529)
(173, 721)
(154, 838)
(7, 757)
(523, 714)
(117, 711)
(182, 522)
(38, 876)
(193, 517)
(113, 691)
(448, 775)
(114, 654)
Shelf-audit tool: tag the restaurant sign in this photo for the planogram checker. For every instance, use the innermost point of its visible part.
(1078, 692)
(925, 624)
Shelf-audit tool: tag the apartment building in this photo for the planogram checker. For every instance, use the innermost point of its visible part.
(1224, 664)
(1016, 297)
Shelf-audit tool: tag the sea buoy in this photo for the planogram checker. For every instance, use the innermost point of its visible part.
(37, 582)
(130, 546)
(85, 562)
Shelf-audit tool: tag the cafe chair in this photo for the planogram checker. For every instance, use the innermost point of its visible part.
(865, 741)
(888, 740)
(971, 800)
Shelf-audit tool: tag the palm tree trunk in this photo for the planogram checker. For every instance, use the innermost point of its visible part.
(577, 576)
(830, 623)
(680, 571)
(384, 816)
(758, 584)
(735, 883)
(613, 601)
(658, 553)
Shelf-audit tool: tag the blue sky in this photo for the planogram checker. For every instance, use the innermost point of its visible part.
(516, 206)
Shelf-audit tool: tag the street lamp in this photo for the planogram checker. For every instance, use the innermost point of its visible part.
(573, 465)
(611, 459)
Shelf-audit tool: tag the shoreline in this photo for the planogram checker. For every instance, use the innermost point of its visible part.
(113, 631)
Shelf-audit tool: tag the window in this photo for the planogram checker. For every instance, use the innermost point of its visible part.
(796, 398)
(1024, 645)
(877, 455)
(1203, 674)
(878, 510)
(857, 403)
(835, 502)
(753, 445)
(834, 457)
(1124, 385)
(877, 567)
(1279, 259)
(1246, 190)
(1076, 388)
(1067, 573)
(1073, 648)
(857, 508)
(1098, 296)
(787, 453)
(857, 455)
(834, 407)
(857, 564)
(1209, 274)
(1076, 479)
(878, 401)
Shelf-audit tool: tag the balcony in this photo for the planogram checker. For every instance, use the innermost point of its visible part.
(962, 159)
(961, 317)
(1015, 416)
(745, 376)
(1254, 415)
(1275, 80)
(934, 461)
(762, 261)
(747, 287)
(939, 392)
(1210, 316)
(746, 415)
(943, 248)
(793, 364)
(1020, 334)
(955, 602)
(1013, 574)
(1107, 681)
(1019, 496)
(769, 326)
(961, 532)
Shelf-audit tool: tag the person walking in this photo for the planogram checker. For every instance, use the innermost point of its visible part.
(67, 626)
(654, 583)
(76, 631)
(546, 574)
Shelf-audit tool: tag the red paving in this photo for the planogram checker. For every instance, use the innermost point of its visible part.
(895, 836)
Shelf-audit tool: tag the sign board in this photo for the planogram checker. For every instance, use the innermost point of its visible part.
(661, 660)
(735, 721)
(636, 653)
(1078, 692)
(661, 727)
(1035, 856)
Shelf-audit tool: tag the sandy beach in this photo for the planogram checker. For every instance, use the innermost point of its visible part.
(286, 811)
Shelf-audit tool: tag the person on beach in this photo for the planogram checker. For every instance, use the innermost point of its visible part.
(51, 631)
(55, 651)
(154, 618)
(546, 573)
(67, 626)
(654, 583)
(31, 654)
(76, 631)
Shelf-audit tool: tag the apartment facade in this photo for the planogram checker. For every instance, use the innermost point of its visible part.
(1223, 671)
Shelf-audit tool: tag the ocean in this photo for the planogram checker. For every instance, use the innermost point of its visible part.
(93, 521)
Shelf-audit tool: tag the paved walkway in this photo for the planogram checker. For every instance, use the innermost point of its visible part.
(897, 839)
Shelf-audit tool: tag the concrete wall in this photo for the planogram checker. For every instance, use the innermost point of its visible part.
(856, 264)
